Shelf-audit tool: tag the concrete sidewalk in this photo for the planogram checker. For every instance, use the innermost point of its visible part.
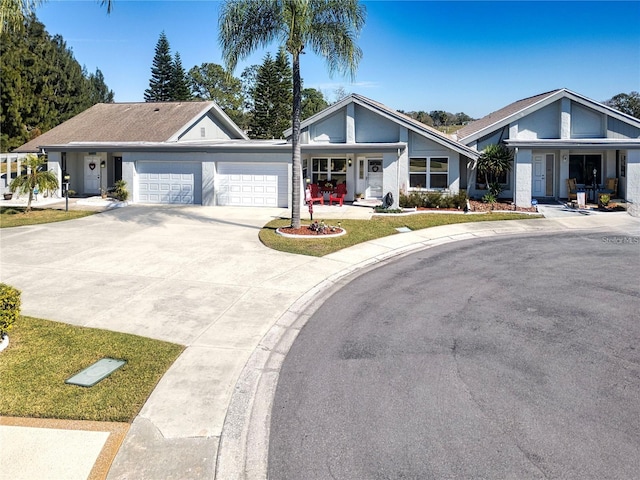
(137, 269)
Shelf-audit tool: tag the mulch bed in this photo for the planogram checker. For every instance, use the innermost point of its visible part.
(304, 230)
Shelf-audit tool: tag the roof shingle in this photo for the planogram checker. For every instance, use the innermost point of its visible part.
(121, 122)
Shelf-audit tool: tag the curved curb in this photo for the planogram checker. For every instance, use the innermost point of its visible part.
(244, 443)
(243, 451)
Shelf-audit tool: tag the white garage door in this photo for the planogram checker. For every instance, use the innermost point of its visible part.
(252, 184)
(168, 182)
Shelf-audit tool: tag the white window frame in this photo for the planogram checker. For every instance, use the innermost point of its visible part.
(428, 173)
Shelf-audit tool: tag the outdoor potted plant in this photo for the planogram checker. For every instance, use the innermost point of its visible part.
(603, 201)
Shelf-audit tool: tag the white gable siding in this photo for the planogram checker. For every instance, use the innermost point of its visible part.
(213, 130)
(585, 122)
(330, 130)
(618, 129)
(543, 123)
(374, 128)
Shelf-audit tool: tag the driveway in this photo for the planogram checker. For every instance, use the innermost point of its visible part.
(195, 276)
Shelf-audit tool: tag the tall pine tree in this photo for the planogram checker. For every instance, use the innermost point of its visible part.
(179, 84)
(161, 73)
(272, 97)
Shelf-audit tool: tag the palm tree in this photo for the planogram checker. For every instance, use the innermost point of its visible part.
(328, 27)
(34, 177)
(13, 12)
(494, 161)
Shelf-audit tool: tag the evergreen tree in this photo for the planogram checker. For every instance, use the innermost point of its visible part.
(179, 84)
(98, 90)
(161, 73)
(41, 86)
(272, 97)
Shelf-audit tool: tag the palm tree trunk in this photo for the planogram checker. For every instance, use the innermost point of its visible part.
(296, 173)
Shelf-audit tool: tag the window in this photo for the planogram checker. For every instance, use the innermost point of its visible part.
(430, 172)
(581, 168)
(333, 169)
(503, 179)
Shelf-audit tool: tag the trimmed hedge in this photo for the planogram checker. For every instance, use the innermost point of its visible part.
(433, 199)
(9, 307)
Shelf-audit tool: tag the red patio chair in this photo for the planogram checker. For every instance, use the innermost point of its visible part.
(314, 194)
(338, 194)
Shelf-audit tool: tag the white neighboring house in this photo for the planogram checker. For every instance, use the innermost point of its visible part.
(559, 135)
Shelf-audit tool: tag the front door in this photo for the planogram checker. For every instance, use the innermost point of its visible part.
(539, 171)
(92, 174)
(374, 178)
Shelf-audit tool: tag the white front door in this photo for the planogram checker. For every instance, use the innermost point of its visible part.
(374, 178)
(539, 170)
(92, 174)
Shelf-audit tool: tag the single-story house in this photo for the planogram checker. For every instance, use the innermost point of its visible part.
(193, 153)
(559, 135)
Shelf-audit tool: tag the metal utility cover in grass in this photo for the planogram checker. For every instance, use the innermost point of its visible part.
(403, 229)
(96, 372)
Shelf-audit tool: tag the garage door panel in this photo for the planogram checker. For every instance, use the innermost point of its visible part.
(168, 182)
(254, 184)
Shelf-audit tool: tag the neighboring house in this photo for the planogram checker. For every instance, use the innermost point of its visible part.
(560, 135)
(377, 150)
(192, 153)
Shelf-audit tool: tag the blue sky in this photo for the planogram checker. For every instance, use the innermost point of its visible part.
(473, 57)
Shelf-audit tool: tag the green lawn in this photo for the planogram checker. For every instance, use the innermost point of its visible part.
(43, 354)
(359, 231)
(17, 216)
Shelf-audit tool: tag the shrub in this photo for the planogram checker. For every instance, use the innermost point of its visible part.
(489, 198)
(460, 199)
(120, 191)
(9, 307)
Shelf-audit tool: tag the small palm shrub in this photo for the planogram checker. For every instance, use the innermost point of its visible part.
(120, 191)
(9, 307)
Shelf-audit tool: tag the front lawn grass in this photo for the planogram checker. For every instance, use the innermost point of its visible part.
(43, 354)
(18, 216)
(359, 231)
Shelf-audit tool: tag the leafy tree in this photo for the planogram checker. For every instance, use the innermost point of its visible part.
(161, 73)
(179, 83)
(210, 81)
(329, 28)
(34, 176)
(628, 103)
(312, 102)
(13, 13)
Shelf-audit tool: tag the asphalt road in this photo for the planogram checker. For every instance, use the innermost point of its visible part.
(510, 358)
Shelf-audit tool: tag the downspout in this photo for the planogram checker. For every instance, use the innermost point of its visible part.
(515, 179)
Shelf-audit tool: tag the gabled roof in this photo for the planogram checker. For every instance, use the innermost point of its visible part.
(506, 115)
(392, 115)
(131, 122)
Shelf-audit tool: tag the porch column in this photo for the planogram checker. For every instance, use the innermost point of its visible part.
(53, 165)
(633, 182)
(523, 166)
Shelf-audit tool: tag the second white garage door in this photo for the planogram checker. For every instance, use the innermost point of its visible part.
(252, 184)
(169, 182)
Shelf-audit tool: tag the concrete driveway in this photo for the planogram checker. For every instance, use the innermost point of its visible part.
(196, 276)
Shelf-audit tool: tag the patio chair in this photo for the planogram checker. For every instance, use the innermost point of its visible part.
(314, 194)
(572, 189)
(338, 194)
(610, 187)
